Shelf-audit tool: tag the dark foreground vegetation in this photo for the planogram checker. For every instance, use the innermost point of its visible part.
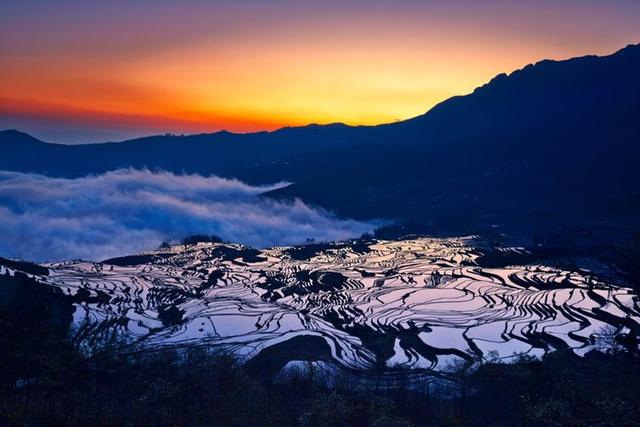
(48, 379)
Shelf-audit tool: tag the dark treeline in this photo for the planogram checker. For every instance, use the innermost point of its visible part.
(48, 379)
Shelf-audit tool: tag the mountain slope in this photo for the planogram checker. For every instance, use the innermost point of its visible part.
(417, 304)
(260, 157)
(555, 138)
(558, 136)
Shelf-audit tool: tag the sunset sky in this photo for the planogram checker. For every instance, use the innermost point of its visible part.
(87, 71)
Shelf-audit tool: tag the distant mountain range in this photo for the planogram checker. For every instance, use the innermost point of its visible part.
(557, 139)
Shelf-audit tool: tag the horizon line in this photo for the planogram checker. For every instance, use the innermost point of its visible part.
(320, 124)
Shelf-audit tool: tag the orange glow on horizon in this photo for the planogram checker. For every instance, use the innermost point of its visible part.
(204, 68)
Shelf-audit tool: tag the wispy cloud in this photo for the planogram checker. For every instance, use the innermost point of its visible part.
(128, 211)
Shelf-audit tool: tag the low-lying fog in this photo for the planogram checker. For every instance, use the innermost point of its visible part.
(128, 211)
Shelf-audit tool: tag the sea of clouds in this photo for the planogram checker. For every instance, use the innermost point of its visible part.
(128, 211)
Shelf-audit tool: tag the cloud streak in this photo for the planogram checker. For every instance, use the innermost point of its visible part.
(128, 211)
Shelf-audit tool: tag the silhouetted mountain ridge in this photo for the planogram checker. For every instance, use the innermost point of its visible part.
(554, 138)
(13, 137)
